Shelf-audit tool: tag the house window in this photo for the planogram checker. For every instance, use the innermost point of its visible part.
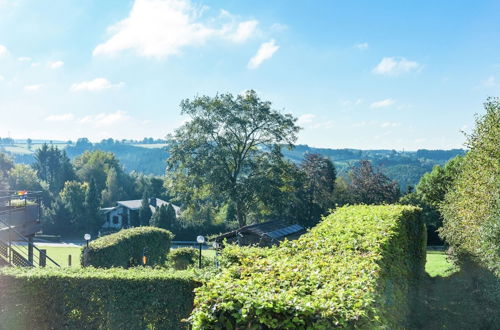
(115, 219)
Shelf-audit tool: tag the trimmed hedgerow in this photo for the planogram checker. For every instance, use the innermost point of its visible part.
(183, 257)
(126, 247)
(358, 268)
(92, 298)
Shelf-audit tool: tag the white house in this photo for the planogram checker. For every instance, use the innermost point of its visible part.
(119, 216)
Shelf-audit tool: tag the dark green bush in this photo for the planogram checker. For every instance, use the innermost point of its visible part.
(92, 298)
(181, 258)
(126, 248)
(359, 268)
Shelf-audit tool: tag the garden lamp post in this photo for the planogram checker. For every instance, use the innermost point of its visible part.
(87, 238)
(200, 239)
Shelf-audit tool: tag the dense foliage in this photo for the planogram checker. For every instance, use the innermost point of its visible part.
(357, 269)
(182, 258)
(471, 208)
(429, 195)
(127, 247)
(91, 298)
(228, 148)
(164, 217)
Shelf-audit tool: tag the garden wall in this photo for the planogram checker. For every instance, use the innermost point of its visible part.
(91, 298)
(359, 268)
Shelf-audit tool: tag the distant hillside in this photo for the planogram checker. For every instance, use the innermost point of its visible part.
(405, 167)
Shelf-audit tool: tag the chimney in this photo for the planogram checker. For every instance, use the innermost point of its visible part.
(152, 201)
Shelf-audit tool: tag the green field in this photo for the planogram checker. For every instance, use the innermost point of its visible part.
(438, 265)
(60, 254)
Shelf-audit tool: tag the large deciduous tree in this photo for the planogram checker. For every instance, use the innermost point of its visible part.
(369, 186)
(228, 148)
(318, 188)
(471, 209)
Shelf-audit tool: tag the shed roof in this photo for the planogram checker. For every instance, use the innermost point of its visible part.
(273, 229)
(135, 204)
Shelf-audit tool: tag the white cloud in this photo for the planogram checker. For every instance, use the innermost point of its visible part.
(490, 82)
(310, 120)
(394, 66)
(324, 124)
(3, 50)
(35, 64)
(244, 31)
(360, 124)
(96, 85)
(362, 46)
(62, 117)
(265, 52)
(2, 77)
(348, 103)
(389, 124)
(105, 119)
(32, 88)
(278, 27)
(160, 28)
(306, 119)
(24, 59)
(382, 104)
(55, 64)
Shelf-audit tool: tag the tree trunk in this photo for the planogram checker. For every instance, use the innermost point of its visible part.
(240, 214)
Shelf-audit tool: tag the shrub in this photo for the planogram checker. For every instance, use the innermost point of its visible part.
(126, 248)
(93, 298)
(359, 268)
(181, 258)
(471, 209)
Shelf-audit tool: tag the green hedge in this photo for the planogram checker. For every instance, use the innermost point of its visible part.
(92, 298)
(125, 248)
(183, 257)
(359, 268)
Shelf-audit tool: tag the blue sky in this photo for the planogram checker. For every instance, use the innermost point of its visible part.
(357, 74)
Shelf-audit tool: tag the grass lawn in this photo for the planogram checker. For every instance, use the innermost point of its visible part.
(60, 254)
(438, 265)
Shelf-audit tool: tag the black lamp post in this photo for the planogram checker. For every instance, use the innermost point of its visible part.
(87, 237)
(200, 239)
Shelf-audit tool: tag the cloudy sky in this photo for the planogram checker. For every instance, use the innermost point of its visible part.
(360, 74)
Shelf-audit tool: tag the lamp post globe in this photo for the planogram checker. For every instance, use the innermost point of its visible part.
(87, 237)
(200, 239)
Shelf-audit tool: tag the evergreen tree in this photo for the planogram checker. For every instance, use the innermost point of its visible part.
(92, 202)
(57, 219)
(135, 221)
(158, 218)
(145, 211)
(170, 219)
(6, 165)
(113, 191)
(164, 217)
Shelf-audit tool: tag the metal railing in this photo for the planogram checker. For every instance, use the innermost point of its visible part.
(15, 248)
(22, 254)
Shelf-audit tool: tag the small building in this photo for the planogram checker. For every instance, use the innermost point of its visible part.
(119, 216)
(262, 234)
